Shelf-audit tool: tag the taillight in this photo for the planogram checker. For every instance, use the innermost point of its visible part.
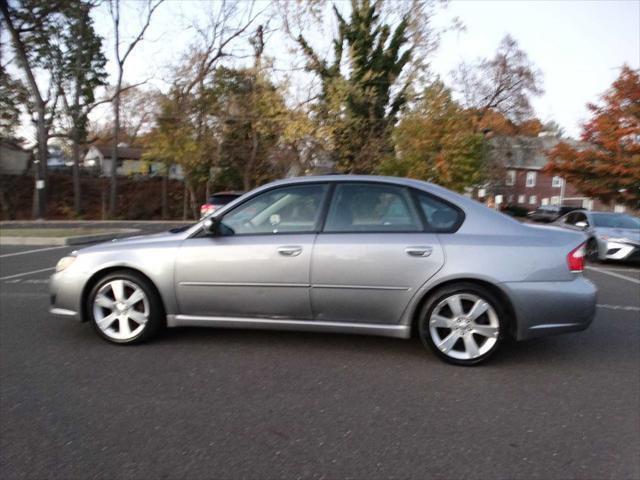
(204, 209)
(575, 258)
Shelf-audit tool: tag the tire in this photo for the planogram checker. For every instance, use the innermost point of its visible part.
(592, 254)
(125, 308)
(452, 334)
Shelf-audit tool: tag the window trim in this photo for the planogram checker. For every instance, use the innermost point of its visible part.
(422, 225)
(328, 198)
(456, 226)
(510, 181)
(534, 176)
(327, 194)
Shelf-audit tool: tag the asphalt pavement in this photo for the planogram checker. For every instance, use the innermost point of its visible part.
(206, 403)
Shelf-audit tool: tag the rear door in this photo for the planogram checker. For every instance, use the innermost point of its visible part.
(374, 252)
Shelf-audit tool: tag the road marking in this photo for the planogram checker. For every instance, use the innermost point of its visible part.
(616, 269)
(619, 307)
(28, 280)
(33, 251)
(612, 274)
(8, 277)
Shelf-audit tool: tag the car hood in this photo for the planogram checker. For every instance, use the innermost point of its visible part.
(632, 234)
(138, 241)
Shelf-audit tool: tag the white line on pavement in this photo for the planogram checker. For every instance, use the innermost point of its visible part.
(629, 308)
(33, 251)
(27, 273)
(612, 274)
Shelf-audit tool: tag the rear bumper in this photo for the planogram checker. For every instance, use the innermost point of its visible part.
(549, 308)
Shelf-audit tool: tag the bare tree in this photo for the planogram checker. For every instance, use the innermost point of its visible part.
(121, 56)
(504, 83)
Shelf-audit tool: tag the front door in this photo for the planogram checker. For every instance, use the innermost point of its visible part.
(258, 263)
(374, 253)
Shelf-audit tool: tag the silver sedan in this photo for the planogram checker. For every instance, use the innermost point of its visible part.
(612, 236)
(349, 254)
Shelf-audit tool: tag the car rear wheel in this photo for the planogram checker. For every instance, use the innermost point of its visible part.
(463, 324)
(124, 308)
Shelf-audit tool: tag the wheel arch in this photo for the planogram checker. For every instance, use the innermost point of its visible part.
(95, 278)
(500, 294)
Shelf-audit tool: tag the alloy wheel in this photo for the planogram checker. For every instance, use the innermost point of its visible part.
(121, 309)
(464, 326)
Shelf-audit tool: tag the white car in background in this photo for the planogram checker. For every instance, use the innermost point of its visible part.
(612, 236)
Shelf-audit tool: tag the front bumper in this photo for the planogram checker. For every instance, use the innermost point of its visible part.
(548, 308)
(65, 293)
(621, 251)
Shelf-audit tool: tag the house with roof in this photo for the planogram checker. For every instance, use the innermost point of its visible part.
(129, 162)
(14, 159)
(522, 160)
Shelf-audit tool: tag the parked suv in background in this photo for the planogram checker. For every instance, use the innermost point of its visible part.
(549, 213)
(218, 200)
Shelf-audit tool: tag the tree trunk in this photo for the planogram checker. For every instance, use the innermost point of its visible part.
(76, 172)
(41, 166)
(114, 147)
(185, 201)
(165, 185)
(248, 174)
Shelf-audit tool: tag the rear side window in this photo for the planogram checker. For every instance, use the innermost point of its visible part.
(372, 208)
(440, 216)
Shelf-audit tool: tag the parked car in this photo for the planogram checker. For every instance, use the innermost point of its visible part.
(218, 200)
(549, 213)
(350, 254)
(612, 236)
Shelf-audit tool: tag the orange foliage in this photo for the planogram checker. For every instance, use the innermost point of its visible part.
(608, 166)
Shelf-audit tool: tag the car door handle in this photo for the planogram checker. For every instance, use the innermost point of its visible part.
(290, 251)
(419, 251)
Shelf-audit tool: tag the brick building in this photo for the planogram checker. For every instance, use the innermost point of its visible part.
(520, 160)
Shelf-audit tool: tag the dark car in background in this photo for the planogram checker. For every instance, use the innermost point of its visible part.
(218, 200)
(550, 213)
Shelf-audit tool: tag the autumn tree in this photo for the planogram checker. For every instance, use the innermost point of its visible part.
(607, 165)
(435, 141)
(498, 90)
(364, 84)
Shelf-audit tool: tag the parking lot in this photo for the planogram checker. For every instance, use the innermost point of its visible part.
(229, 403)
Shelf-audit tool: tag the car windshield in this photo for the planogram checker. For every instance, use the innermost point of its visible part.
(615, 221)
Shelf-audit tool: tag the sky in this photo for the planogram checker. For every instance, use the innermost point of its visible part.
(579, 45)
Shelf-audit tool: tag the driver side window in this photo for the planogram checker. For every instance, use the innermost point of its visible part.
(293, 209)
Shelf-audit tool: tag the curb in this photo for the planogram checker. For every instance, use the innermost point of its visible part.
(77, 240)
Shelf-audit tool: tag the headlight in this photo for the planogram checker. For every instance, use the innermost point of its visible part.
(64, 263)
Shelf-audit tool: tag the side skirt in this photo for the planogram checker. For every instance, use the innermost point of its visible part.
(397, 331)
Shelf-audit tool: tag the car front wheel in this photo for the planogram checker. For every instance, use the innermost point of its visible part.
(124, 308)
(463, 324)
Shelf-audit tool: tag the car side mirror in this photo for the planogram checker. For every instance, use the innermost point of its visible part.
(582, 225)
(210, 225)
